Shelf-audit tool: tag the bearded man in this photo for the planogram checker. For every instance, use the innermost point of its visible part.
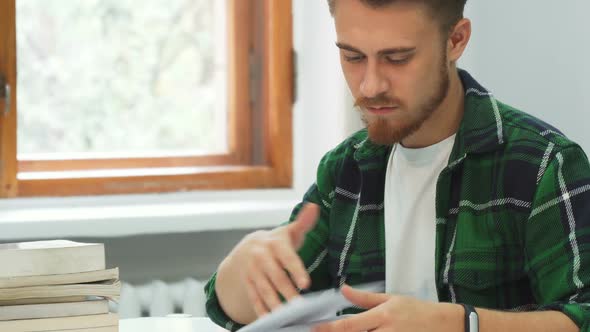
(475, 214)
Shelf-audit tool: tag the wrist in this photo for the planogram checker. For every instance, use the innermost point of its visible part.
(452, 317)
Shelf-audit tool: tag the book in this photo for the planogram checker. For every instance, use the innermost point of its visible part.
(61, 323)
(49, 310)
(50, 258)
(60, 279)
(110, 290)
(61, 299)
(306, 311)
(114, 328)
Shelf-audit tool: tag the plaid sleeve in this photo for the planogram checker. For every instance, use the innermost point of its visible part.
(557, 238)
(313, 252)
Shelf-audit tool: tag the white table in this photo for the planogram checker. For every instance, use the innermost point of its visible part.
(169, 324)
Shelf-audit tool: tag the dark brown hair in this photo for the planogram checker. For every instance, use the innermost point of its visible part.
(447, 12)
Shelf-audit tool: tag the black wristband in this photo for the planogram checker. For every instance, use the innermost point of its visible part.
(471, 324)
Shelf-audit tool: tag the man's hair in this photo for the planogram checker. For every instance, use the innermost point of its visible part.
(447, 12)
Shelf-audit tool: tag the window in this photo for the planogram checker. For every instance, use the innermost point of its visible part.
(172, 95)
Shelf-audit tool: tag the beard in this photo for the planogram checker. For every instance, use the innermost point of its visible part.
(383, 130)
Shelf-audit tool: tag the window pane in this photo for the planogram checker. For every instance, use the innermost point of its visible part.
(121, 77)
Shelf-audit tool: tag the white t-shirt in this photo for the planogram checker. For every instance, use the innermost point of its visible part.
(410, 218)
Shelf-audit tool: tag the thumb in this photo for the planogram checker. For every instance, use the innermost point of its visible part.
(305, 221)
(363, 299)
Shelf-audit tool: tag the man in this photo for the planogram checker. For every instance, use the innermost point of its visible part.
(458, 201)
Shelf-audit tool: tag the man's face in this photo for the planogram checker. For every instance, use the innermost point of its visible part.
(395, 63)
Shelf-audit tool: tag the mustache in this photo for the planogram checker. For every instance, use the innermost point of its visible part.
(379, 100)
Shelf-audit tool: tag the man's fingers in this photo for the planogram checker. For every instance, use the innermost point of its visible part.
(272, 255)
(259, 306)
(280, 279)
(266, 291)
(363, 299)
(367, 321)
(289, 259)
(306, 220)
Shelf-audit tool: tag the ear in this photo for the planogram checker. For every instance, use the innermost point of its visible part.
(458, 39)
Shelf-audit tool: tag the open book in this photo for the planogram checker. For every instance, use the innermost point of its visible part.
(301, 314)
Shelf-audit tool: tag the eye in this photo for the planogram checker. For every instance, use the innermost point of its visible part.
(353, 58)
(398, 60)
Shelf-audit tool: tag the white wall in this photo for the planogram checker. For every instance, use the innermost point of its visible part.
(323, 112)
(534, 55)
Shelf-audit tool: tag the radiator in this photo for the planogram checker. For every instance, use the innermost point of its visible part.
(157, 299)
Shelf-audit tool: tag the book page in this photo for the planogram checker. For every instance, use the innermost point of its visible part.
(305, 311)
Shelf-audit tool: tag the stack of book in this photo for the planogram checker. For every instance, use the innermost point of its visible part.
(56, 286)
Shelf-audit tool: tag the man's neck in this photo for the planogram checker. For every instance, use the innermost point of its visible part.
(444, 121)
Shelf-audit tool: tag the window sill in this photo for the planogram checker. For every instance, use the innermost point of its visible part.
(40, 220)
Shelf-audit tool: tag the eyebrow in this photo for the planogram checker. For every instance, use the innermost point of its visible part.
(387, 51)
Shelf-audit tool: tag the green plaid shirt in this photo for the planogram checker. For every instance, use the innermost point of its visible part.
(512, 207)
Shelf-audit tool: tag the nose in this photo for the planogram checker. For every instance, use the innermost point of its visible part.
(374, 81)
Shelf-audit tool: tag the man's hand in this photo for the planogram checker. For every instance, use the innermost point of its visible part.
(270, 262)
(396, 313)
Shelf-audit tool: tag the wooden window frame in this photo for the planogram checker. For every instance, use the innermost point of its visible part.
(271, 81)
